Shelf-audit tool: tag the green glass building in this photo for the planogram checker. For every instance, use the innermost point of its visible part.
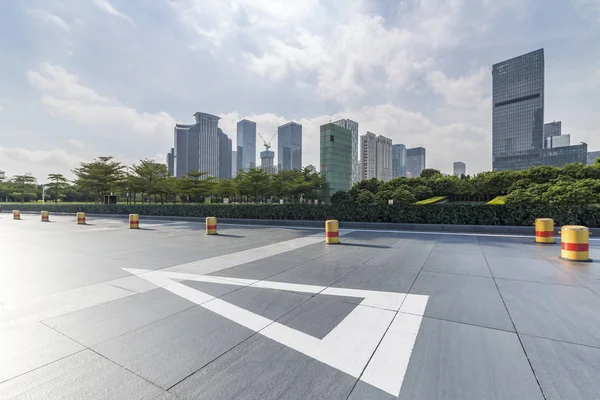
(336, 157)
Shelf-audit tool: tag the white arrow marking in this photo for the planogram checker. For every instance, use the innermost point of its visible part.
(375, 337)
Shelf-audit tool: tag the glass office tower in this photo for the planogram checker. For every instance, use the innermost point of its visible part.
(289, 146)
(336, 157)
(518, 112)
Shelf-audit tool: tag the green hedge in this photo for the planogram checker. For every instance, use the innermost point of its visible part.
(432, 200)
(463, 214)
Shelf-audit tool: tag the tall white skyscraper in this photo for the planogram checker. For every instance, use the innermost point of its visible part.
(368, 151)
(383, 158)
(352, 127)
(197, 146)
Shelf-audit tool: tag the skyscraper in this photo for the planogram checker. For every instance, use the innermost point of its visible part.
(383, 158)
(197, 146)
(186, 151)
(352, 127)
(518, 112)
(398, 160)
(415, 161)
(233, 163)
(246, 145)
(460, 168)
(266, 161)
(553, 129)
(171, 161)
(336, 157)
(368, 151)
(224, 155)
(289, 146)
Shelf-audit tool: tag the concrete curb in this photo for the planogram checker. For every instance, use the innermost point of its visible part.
(484, 229)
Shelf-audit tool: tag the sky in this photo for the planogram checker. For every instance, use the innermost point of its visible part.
(88, 78)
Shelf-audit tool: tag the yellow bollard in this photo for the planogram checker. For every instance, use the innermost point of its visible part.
(134, 221)
(544, 230)
(211, 226)
(45, 216)
(16, 214)
(81, 218)
(332, 232)
(575, 243)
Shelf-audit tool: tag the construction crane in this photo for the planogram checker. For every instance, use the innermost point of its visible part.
(267, 144)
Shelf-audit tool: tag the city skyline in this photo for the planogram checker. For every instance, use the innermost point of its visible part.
(84, 83)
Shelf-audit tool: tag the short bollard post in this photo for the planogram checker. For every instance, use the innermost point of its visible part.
(575, 243)
(211, 225)
(134, 221)
(81, 218)
(45, 216)
(544, 230)
(332, 232)
(16, 214)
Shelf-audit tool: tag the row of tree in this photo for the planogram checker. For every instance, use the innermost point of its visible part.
(572, 184)
(150, 182)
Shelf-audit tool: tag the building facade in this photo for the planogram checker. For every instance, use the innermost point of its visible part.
(289, 147)
(557, 141)
(398, 160)
(352, 126)
(518, 112)
(591, 157)
(186, 151)
(208, 142)
(266, 161)
(368, 151)
(233, 163)
(553, 129)
(171, 161)
(383, 158)
(336, 157)
(225, 153)
(246, 145)
(459, 168)
(415, 161)
(560, 156)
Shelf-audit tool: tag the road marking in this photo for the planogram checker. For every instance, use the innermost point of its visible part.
(375, 337)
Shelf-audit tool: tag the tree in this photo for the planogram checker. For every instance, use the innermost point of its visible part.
(365, 197)
(256, 183)
(150, 177)
(101, 176)
(23, 184)
(58, 184)
(191, 185)
(225, 188)
(422, 192)
(383, 196)
(340, 197)
(429, 173)
(403, 196)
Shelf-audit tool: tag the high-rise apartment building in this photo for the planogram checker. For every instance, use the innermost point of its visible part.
(352, 126)
(368, 151)
(553, 129)
(336, 157)
(460, 168)
(246, 145)
(518, 112)
(233, 163)
(171, 161)
(415, 161)
(398, 160)
(289, 146)
(383, 158)
(225, 153)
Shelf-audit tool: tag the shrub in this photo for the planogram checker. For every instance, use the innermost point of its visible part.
(365, 197)
(403, 196)
(498, 200)
(422, 192)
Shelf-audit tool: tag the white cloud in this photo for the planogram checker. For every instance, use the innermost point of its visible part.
(107, 7)
(63, 95)
(39, 163)
(76, 143)
(49, 18)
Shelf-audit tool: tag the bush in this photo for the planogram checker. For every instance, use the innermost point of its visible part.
(365, 197)
(498, 200)
(422, 192)
(340, 197)
(464, 214)
(403, 196)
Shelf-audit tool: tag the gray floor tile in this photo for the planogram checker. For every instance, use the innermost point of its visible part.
(387, 279)
(564, 370)
(528, 269)
(166, 352)
(31, 346)
(315, 272)
(263, 369)
(452, 263)
(261, 269)
(106, 321)
(462, 298)
(457, 247)
(454, 361)
(552, 311)
(84, 375)
(409, 260)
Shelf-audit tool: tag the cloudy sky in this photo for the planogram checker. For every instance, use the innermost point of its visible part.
(83, 78)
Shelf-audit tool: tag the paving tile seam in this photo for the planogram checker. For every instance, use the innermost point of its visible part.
(558, 340)
(455, 273)
(515, 328)
(543, 283)
(42, 366)
(386, 331)
(310, 296)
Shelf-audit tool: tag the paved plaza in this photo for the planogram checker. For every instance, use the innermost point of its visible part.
(166, 312)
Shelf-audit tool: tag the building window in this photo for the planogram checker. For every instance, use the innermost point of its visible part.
(331, 138)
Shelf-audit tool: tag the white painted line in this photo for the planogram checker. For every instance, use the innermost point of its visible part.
(358, 343)
(414, 304)
(390, 362)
